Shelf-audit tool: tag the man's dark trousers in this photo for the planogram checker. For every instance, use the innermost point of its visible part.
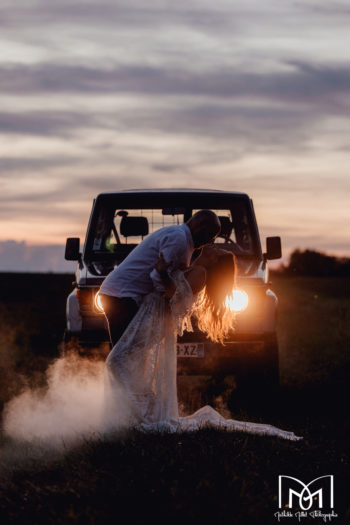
(119, 311)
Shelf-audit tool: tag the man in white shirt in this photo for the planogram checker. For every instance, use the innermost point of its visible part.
(123, 289)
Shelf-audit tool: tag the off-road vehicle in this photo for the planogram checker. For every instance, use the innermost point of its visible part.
(119, 221)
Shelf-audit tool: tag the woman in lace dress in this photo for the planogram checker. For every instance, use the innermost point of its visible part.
(141, 370)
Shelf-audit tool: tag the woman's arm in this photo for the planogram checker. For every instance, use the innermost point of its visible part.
(195, 275)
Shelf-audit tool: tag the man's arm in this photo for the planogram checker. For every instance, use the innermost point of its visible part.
(161, 267)
(173, 248)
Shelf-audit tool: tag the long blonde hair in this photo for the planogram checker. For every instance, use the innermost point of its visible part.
(213, 318)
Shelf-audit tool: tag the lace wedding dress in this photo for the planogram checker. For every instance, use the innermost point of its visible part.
(140, 387)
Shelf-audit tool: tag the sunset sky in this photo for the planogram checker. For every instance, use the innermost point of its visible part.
(100, 96)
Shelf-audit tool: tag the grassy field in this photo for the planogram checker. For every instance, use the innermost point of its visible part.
(224, 477)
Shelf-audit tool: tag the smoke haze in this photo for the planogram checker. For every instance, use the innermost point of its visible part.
(43, 422)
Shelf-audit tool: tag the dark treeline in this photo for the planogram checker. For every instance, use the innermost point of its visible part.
(317, 264)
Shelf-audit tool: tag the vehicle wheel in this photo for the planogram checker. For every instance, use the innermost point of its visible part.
(258, 380)
(69, 343)
(72, 344)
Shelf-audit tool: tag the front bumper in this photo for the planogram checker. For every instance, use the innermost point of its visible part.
(239, 355)
(243, 353)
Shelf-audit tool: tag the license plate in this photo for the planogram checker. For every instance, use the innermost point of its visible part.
(190, 350)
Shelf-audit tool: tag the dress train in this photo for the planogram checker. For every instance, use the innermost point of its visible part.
(140, 373)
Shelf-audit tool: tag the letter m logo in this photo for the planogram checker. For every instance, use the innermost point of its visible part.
(306, 495)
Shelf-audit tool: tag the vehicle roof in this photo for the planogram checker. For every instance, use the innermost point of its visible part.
(172, 190)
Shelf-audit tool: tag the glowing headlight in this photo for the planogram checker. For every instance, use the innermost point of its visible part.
(237, 301)
(98, 303)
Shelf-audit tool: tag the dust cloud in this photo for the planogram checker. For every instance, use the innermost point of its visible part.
(67, 410)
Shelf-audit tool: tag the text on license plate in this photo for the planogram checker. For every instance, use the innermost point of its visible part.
(190, 350)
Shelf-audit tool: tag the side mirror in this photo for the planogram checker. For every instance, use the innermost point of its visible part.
(273, 248)
(72, 252)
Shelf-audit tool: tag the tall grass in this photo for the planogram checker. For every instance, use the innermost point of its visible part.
(313, 330)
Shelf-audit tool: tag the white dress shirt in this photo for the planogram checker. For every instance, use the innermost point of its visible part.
(136, 275)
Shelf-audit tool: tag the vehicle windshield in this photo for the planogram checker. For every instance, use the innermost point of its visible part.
(115, 229)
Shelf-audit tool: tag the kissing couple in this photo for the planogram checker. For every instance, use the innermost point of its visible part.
(148, 300)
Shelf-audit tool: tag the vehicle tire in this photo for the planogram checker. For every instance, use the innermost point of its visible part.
(258, 380)
(66, 336)
(68, 343)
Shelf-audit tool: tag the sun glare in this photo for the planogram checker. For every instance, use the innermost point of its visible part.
(237, 301)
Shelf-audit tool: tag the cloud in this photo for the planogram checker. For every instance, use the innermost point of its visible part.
(271, 111)
(298, 82)
(44, 123)
(28, 164)
(19, 257)
(209, 119)
(117, 14)
(118, 95)
(235, 110)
